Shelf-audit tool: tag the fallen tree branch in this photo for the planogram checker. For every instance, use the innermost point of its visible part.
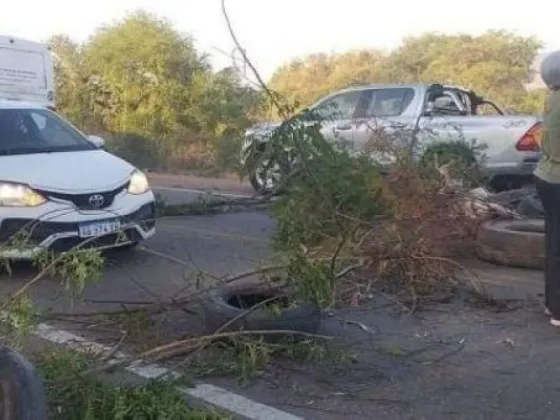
(150, 354)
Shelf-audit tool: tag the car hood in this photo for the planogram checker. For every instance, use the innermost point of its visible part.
(83, 171)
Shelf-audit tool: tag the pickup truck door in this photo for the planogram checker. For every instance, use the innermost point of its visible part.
(336, 116)
(444, 120)
(384, 111)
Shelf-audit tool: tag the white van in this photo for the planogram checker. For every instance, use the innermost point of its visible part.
(58, 188)
(26, 71)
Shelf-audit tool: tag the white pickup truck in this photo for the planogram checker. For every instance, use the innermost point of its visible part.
(434, 111)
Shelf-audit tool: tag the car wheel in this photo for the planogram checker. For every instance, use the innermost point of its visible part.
(266, 176)
(22, 393)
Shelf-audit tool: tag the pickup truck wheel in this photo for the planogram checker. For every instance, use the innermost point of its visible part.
(266, 176)
(22, 393)
(514, 243)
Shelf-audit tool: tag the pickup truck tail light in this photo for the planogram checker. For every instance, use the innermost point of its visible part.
(531, 140)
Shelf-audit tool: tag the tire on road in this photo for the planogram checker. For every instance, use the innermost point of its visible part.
(226, 303)
(22, 393)
(514, 243)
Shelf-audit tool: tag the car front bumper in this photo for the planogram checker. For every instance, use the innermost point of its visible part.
(23, 235)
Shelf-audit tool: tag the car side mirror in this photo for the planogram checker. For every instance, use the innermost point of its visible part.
(97, 141)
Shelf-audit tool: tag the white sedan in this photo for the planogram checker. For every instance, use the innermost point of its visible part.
(59, 189)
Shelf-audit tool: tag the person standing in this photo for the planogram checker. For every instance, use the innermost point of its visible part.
(547, 182)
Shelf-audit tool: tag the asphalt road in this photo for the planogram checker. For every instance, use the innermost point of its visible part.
(219, 245)
(453, 363)
(173, 195)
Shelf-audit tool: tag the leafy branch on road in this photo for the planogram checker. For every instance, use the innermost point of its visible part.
(393, 228)
(347, 229)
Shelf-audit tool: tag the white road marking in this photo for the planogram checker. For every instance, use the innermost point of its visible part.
(200, 192)
(210, 394)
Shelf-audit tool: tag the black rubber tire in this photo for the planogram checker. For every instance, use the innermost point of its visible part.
(514, 243)
(23, 393)
(217, 311)
(255, 184)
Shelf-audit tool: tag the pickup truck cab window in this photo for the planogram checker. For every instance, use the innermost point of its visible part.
(387, 102)
(338, 107)
(445, 103)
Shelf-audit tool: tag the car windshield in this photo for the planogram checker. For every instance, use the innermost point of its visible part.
(24, 131)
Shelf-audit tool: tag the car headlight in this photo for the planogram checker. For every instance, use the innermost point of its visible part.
(138, 183)
(19, 195)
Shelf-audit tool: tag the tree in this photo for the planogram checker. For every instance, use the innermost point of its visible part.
(153, 74)
(497, 64)
(70, 78)
(302, 81)
(145, 86)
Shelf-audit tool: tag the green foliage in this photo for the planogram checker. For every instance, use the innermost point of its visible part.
(327, 196)
(74, 397)
(338, 207)
(303, 81)
(331, 185)
(497, 64)
(144, 86)
(462, 157)
(247, 357)
(312, 280)
(75, 269)
(20, 316)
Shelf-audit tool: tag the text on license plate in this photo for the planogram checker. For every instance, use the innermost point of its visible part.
(99, 228)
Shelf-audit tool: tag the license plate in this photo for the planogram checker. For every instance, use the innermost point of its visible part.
(99, 228)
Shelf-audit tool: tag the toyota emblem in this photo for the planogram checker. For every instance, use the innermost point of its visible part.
(96, 200)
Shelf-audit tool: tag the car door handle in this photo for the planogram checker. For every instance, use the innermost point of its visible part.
(343, 127)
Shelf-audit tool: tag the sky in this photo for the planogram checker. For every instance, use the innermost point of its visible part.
(273, 32)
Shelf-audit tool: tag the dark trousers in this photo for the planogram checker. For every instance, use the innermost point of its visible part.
(549, 194)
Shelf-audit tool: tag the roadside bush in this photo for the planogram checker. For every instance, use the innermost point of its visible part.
(328, 192)
(465, 157)
(400, 225)
(187, 151)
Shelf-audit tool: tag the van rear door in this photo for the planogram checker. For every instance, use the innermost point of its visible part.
(26, 71)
